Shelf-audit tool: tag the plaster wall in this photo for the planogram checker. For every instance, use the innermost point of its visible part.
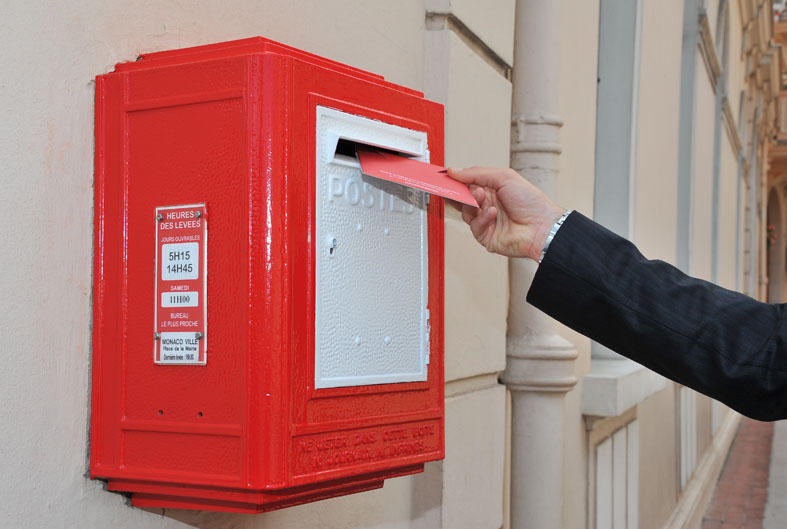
(492, 22)
(728, 198)
(658, 480)
(655, 209)
(477, 120)
(574, 189)
(702, 200)
(46, 148)
(578, 73)
(46, 229)
(704, 433)
(712, 8)
(477, 133)
(735, 63)
(655, 218)
(746, 235)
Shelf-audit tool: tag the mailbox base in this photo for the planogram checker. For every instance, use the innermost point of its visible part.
(178, 496)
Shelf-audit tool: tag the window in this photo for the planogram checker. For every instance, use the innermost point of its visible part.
(616, 120)
(616, 484)
(687, 417)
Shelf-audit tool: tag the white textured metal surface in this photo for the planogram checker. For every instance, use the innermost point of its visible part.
(371, 321)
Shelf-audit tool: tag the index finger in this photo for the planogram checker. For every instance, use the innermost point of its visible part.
(483, 176)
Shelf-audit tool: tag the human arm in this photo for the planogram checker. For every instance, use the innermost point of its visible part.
(717, 341)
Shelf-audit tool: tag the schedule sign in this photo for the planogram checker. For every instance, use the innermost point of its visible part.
(180, 333)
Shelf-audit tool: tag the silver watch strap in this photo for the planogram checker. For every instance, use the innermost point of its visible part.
(556, 226)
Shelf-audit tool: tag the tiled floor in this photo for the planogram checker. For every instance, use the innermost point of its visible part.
(741, 493)
(776, 507)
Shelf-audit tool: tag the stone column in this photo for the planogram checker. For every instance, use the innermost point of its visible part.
(540, 364)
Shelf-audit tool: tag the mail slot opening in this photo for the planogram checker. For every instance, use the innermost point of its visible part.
(346, 150)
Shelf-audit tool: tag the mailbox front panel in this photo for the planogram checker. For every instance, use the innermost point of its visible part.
(354, 429)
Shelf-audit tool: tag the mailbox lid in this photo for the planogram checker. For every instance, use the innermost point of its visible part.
(248, 47)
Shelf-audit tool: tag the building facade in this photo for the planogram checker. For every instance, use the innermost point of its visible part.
(655, 118)
(773, 251)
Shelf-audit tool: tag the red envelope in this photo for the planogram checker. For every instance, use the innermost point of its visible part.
(412, 173)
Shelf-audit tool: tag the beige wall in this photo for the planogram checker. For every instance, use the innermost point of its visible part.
(46, 152)
(459, 52)
(658, 482)
(574, 189)
(578, 72)
(655, 210)
(728, 197)
(703, 175)
(736, 65)
(471, 83)
(657, 140)
(712, 9)
(704, 434)
(655, 226)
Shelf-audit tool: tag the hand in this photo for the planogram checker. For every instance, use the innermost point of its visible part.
(514, 217)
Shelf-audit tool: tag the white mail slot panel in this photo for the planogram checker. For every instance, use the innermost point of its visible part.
(371, 320)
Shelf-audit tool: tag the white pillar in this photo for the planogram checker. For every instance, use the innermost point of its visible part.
(540, 364)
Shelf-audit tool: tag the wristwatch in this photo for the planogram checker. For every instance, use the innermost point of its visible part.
(556, 226)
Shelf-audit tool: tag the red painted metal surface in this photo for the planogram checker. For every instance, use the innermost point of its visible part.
(232, 126)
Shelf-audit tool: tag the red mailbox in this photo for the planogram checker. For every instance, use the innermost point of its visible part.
(268, 321)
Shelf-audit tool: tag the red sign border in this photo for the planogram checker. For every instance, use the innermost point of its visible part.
(202, 298)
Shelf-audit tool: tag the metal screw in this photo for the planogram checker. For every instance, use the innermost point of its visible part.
(156, 336)
(198, 335)
(159, 217)
(332, 244)
(198, 214)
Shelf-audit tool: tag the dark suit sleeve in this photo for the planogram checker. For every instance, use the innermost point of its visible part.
(719, 342)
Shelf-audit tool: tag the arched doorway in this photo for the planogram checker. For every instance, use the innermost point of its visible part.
(775, 249)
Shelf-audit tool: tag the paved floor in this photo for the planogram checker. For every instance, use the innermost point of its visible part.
(739, 501)
(776, 508)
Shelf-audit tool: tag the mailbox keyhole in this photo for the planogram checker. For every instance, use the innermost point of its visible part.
(332, 244)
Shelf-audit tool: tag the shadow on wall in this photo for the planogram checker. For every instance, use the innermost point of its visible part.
(378, 508)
